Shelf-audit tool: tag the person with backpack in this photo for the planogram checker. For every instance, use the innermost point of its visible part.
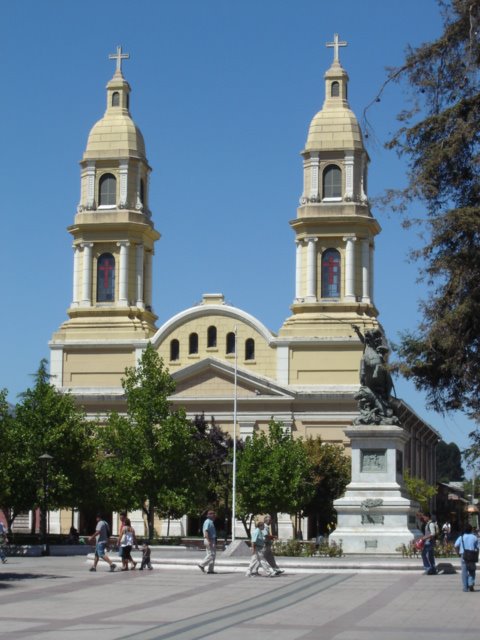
(467, 547)
(101, 535)
(429, 537)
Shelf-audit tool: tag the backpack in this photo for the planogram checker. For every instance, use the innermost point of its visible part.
(434, 528)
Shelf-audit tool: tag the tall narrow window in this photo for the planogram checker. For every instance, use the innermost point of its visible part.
(142, 192)
(249, 349)
(193, 343)
(211, 337)
(107, 190)
(174, 350)
(115, 99)
(106, 278)
(332, 182)
(331, 274)
(335, 90)
(230, 344)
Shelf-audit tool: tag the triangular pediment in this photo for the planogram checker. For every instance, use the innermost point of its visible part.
(216, 379)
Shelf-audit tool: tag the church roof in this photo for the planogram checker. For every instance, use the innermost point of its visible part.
(335, 126)
(116, 135)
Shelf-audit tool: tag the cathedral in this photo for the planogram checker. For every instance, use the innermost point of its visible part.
(307, 373)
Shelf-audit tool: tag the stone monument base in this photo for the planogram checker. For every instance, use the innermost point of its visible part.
(375, 516)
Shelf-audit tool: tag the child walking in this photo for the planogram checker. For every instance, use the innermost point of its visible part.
(145, 556)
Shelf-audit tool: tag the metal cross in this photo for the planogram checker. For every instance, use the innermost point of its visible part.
(335, 44)
(119, 56)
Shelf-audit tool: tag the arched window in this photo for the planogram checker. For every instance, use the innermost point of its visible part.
(249, 349)
(211, 337)
(174, 350)
(230, 344)
(106, 278)
(128, 101)
(332, 182)
(107, 190)
(193, 343)
(331, 274)
(115, 99)
(335, 89)
(142, 192)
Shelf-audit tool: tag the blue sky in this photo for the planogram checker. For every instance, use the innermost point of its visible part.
(224, 93)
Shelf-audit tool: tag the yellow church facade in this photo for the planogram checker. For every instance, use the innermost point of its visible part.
(307, 373)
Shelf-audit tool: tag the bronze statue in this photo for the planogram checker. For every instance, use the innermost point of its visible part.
(374, 396)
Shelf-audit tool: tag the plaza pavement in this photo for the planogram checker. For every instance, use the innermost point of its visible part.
(352, 598)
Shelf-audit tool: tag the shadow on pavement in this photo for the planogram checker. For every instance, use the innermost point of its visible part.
(7, 578)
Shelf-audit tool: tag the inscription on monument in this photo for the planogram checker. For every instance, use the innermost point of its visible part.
(373, 461)
(368, 518)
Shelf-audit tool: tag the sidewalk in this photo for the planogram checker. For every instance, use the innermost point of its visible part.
(53, 598)
(182, 559)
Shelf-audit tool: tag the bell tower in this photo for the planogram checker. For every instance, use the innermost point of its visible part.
(113, 233)
(334, 228)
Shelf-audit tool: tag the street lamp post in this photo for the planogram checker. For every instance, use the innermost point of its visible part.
(227, 468)
(45, 460)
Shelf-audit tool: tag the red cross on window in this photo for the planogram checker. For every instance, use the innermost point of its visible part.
(106, 267)
(330, 264)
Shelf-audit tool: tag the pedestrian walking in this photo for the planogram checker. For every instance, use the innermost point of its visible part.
(467, 547)
(146, 555)
(269, 538)
(258, 553)
(210, 542)
(446, 531)
(428, 551)
(3, 542)
(101, 536)
(126, 544)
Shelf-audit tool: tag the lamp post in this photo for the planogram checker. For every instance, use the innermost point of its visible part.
(45, 460)
(227, 468)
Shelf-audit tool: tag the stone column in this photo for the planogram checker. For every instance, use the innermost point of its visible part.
(363, 179)
(148, 279)
(348, 163)
(90, 195)
(123, 173)
(372, 264)
(298, 270)
(139, 204)
(123, 274)
(311, 270)
(350, 268)
(139, 275)
(76, 257)
(314, 189)
(365, 271)
(87, 275)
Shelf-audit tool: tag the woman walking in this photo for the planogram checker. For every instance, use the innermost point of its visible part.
(126, 543)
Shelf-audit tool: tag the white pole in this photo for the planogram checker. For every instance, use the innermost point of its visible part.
(234, 469)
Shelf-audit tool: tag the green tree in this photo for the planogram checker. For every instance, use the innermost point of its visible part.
(273, 474)
(46, 421)
(149, 457)
(439, 137)
(449, 462)
(419, 490)
(331, 471)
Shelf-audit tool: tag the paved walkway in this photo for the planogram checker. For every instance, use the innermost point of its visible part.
(58, 598)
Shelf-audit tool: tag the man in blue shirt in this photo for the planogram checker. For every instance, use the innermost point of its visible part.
(258, 553)
(210, 542)
(467, 542)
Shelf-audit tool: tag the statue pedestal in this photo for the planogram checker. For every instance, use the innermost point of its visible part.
(374, 515)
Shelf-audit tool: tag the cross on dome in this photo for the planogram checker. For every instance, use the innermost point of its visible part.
(119, 56)
(336, 44)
